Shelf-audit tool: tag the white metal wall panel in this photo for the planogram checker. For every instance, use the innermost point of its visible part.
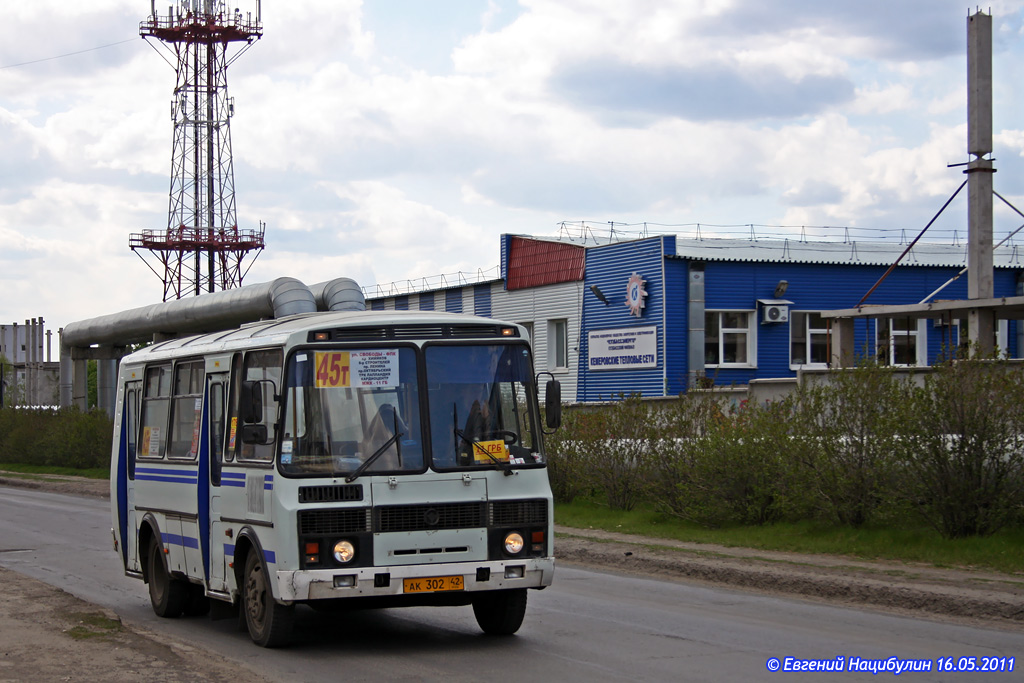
(538, 305)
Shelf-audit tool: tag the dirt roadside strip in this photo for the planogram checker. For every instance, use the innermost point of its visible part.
(47, 634)
(976, 597)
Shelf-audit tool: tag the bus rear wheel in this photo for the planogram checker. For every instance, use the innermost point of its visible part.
(269, 622)
(500, 613)
(166, 594)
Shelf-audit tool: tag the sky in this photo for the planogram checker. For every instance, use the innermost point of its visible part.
(394, 140)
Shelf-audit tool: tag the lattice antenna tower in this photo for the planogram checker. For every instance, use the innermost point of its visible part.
(202, 248)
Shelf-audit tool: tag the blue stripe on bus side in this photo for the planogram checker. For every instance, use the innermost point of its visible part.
(269, 555)
(236, 479)
(157, 474)
(168, 478)
(177, 539)
(203, 488)
(268, 482)
(164, 470)
(122, 482)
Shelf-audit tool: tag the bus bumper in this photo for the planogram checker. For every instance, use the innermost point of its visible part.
(324, 584)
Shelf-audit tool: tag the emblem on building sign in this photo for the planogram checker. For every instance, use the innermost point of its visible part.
(635, 294)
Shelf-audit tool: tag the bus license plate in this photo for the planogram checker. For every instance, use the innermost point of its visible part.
(435, 583)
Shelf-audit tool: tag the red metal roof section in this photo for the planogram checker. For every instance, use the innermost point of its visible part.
(532, 263)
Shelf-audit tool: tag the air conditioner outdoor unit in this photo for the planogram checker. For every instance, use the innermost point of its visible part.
(775, 313)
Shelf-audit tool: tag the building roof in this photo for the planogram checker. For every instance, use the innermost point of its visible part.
(877, 253)
(534, 263)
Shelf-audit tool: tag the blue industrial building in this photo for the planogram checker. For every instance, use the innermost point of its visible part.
(658, 315)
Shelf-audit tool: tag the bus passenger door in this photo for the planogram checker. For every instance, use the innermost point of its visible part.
(212, 530)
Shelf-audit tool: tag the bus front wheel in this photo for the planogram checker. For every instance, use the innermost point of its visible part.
(269, 622)
(166, 594)
(500, 613)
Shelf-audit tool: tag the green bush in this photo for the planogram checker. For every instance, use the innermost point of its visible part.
(965, 447)
(848, 429)
(568, 449)
(620, 455)
(65, 437)
(866, 447)
(739, 469)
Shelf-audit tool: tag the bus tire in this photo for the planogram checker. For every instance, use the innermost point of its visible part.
(166, 594)
(269, 622)
(500, 613)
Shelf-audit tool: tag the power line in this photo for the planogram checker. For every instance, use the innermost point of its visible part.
(69, 54)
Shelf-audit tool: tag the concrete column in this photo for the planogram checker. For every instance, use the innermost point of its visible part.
(79, 383)
(106, 379)
(842, 355)
(980, 327)
(66, 369)
(695, 336)
(981, 332)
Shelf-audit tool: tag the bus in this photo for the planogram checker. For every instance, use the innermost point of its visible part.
(338, 460)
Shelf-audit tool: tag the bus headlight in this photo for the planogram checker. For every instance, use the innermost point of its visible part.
(344, 551)
(513, 543)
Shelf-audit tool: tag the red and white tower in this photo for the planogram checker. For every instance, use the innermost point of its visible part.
(202, 249)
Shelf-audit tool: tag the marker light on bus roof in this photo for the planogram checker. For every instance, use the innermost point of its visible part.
(508, 332)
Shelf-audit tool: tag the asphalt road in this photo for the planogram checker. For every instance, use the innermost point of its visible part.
(589, 625)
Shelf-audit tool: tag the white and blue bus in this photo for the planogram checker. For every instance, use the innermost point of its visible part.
(353, 459)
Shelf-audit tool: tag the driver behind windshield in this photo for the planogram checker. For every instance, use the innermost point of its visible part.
(479, 426)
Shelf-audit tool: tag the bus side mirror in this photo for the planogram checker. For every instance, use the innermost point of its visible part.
(250, 404)
(553, 404)
(254, 434)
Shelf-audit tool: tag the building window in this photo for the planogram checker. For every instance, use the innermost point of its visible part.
(901, 342)
(729, 338)
(558, 345)
(809, 339)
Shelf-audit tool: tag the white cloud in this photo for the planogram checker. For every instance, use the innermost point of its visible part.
(368, 163)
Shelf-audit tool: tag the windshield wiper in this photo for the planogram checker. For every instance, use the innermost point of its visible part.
(373, 458)
(505, 467)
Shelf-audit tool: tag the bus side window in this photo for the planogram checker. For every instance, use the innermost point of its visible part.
(155, 407)
(186, 410)
(234, 424)
(131, 415)
(216, 430)
(265, 367)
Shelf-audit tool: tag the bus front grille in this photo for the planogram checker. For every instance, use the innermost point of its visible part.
(348, 521)
(428, 517)
(331, 494)
(518, 512)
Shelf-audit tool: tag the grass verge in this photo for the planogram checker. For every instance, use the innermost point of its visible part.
(93, 473)
(91, 625)
(1001, 552)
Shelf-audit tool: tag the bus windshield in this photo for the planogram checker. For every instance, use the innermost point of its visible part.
(344, 408)
(482, 406)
